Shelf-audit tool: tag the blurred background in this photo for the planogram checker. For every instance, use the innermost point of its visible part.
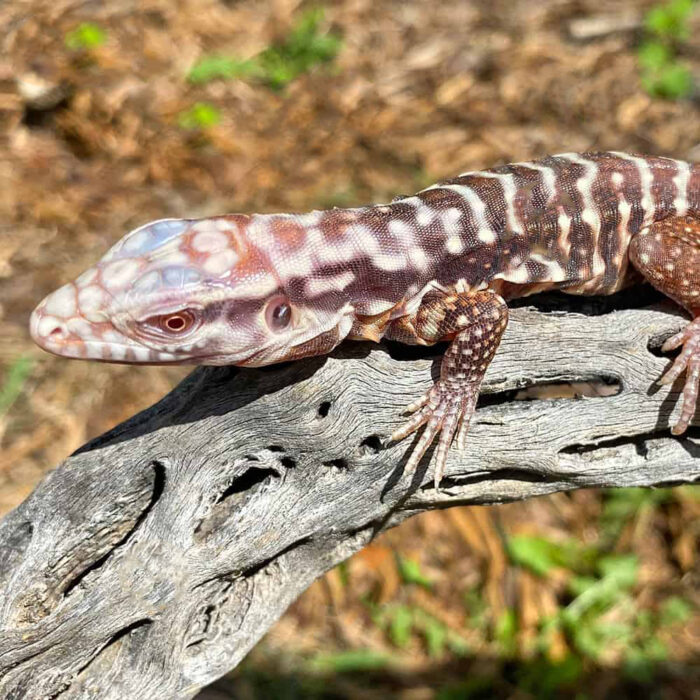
(113, 114)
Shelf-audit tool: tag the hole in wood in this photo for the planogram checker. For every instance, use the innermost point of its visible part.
(247, 481)
(323, 409)
(337, 463)
(600, 386)
(654, 347)
(372, 444)
(578, 449)
(508, 474)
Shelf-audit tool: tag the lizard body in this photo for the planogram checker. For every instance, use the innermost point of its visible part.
(438, 265)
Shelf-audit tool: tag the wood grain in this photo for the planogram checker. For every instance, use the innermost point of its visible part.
(150, 562)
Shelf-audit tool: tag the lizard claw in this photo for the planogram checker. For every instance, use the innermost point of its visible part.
(689, 362)
(443, 411)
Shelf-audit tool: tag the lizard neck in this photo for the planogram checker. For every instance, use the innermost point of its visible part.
(371, 258)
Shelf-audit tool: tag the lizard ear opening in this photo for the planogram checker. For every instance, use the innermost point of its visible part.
(278, 314)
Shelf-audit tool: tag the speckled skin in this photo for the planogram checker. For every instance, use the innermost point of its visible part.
(440, 265)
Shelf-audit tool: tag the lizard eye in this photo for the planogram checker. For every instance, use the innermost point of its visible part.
(177, 323)
(278, 314)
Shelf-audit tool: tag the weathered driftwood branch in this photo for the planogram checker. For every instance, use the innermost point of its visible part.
(148, 564)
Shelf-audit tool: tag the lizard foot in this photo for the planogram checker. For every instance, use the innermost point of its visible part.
(444, 410)
(689, 362)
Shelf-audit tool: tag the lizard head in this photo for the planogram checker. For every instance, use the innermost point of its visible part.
(187, 291)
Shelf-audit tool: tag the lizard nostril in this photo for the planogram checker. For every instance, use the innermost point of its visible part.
(55, 331)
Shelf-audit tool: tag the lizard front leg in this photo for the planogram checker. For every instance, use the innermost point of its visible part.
(668, 255)
(474, 322)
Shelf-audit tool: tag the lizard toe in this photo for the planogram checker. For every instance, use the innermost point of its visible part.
(443, 411)
(688, 362)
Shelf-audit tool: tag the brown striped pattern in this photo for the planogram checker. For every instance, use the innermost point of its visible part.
(439, 265)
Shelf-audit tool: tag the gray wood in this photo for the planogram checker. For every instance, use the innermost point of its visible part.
(148, 564)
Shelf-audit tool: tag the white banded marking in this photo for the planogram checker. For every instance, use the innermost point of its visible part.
(681, 180)
(646, 178)
(510, 192)
(402, 231)
(316, 286)
(518, 275)
(589, 210)
(564, 225)
(478, 208)
(625, 209)
(555, 272)
(549, 177)
(424, 213)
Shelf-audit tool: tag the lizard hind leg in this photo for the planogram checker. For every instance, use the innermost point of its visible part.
(474, 322)
(668, 255)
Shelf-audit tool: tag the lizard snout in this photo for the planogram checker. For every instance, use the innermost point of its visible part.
(53, 324)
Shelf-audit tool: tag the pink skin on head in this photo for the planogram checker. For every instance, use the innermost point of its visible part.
(185, 292)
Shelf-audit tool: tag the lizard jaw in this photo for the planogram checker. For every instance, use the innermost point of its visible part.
(57, 326)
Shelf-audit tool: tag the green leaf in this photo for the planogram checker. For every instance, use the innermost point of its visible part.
(670, 20)
(534, 553)
(343, 573)
(655, 649)
(15, 378)
(653, 55)
(201, 115)
(210, 68)
(621, 568)
(663, 75)
(279, 64)
(578, 585)
(506, 630)
(541, 555)
(85, 36)
(644, 622)
(401, 626)
(619, 573)
(586, 641)
(546, 679)
(410, 572)
(457, 644)
(476, 609)
(435, 634)
(350, 661)
(641, 661)
(672, 82)
(620, 505)
(613, 633)
(674, 610)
